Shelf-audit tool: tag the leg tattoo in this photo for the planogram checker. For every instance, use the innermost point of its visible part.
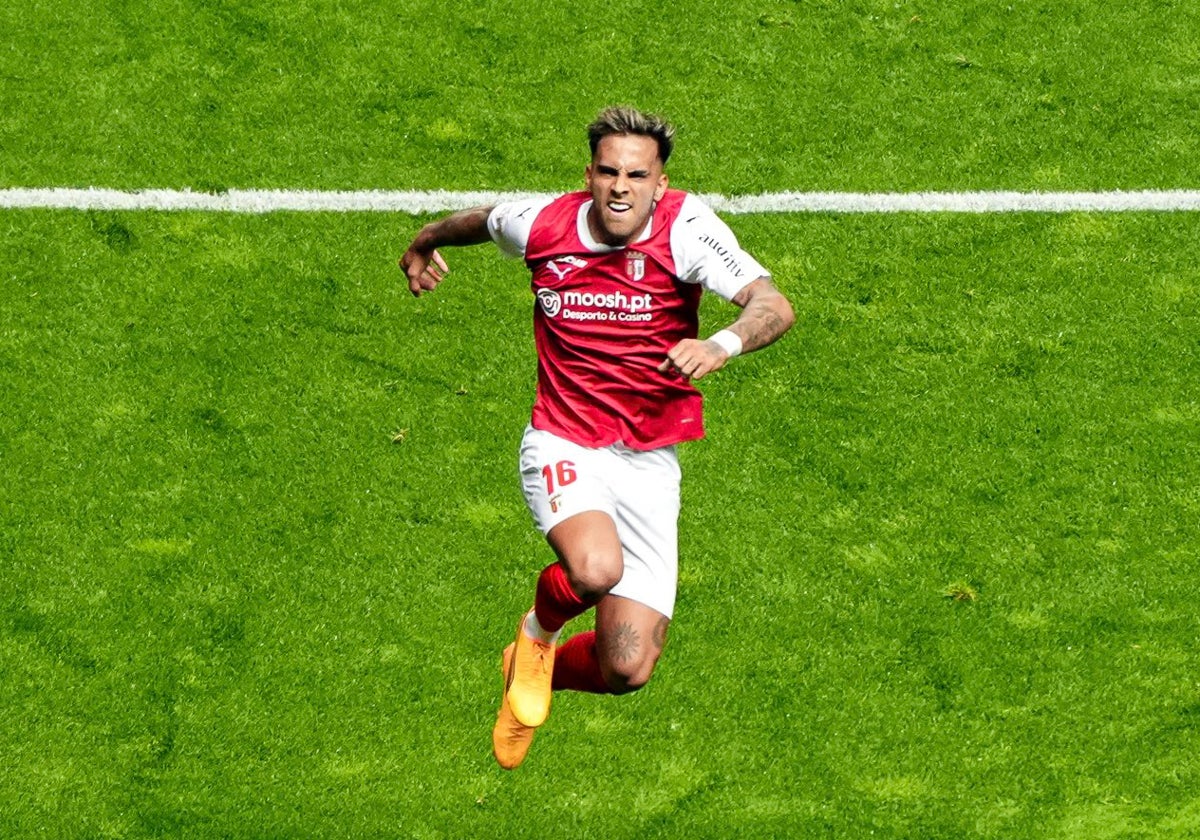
(623, 643)
(660, 633)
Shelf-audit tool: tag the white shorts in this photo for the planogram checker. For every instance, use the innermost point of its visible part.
(639, 490)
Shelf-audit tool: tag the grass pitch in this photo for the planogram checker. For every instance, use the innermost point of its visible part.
(263, 541)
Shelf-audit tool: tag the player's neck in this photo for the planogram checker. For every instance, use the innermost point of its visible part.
(604, 237)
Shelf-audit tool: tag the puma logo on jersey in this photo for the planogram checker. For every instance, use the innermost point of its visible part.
(567, 263)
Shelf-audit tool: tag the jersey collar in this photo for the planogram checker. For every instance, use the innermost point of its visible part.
(589, 242)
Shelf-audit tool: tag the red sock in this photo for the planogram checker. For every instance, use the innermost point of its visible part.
(577, 666)
(556, 602)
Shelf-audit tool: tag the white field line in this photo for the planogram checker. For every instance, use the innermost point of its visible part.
(437, 201)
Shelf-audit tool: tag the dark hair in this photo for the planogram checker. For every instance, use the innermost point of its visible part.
(622, 119)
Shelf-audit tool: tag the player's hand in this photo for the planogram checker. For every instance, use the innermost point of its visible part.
(424, 269)
(694, 359)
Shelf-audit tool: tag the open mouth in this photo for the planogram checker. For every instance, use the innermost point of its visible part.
(619, 206)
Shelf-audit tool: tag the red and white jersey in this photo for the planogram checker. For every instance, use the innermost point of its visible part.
(605, 318)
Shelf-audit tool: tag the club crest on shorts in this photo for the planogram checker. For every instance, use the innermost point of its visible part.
(555, 500)
(635, 265)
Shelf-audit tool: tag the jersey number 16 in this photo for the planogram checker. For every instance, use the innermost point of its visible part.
(563, 471)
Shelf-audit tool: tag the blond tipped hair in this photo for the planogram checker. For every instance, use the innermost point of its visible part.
(623, 119)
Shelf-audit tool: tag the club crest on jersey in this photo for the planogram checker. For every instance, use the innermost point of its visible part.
(635, 265)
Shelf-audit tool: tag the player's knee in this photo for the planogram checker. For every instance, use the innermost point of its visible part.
(626, 686)
(624, 677)
(593, 573)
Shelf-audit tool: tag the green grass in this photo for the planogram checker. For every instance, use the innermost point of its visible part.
(261, 536)
(769, 94)
(263, 540)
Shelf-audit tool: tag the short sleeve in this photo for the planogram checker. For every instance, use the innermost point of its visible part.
(707, 252)
(510, 223)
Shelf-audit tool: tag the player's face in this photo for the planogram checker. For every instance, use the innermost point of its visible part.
(625, 178)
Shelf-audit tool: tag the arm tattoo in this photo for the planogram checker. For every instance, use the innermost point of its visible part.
(466, 227)
(763, 324)
(766, 314)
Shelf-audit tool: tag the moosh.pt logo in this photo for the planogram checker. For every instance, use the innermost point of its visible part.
(593, 306)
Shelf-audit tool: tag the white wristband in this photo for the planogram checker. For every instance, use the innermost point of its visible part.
(728, 341)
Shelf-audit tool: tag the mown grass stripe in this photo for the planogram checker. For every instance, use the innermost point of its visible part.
(435, 201)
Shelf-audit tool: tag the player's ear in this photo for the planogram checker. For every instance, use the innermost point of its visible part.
(661, 189)
(587, 177)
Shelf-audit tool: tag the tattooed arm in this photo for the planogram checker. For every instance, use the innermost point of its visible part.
(423, 265)
(766, 315)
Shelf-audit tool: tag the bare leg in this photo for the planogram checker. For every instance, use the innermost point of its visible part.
(629, 639)
(629, 635)
(590, 550)
(590, 563)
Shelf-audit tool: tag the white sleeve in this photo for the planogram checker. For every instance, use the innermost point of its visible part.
(509, 224)
(707, 252)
